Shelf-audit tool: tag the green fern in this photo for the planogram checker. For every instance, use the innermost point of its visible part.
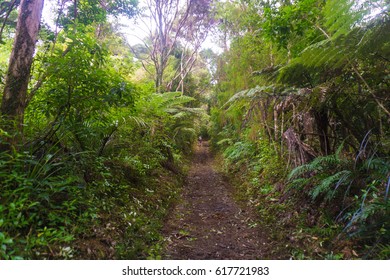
(250, 93)
(342, 16)
(139, 121)
(299, 183)
(265, 92)
(322, 173)
(239, 151)
(172, 99)
(383, 251)
(316, 166)
(299, 171)
(379, 166)
(330, 184)
(350, 35)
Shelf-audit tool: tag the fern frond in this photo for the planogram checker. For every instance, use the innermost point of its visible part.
(339, 150)
(378, 165)
(180, 112)
(317, 165)
(383, 251)
(342, 16)
(171, 99)
(350, 34)
(194, 111)
(301, 182)
(326, 185)
(140, 122)
(184, 129)
(223, 141)
(250, 93)
(299, 171)
(176, 113)
(325, 162)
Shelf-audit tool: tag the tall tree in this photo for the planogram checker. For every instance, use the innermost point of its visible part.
(197, 27)
(175, 26)
(168, 18)
(18, 75)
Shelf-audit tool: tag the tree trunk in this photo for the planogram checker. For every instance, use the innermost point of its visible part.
(322, 122)
(18, 75)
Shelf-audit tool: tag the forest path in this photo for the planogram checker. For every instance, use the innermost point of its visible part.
(207, 223)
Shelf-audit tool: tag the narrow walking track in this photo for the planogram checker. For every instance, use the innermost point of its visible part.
(207, 223)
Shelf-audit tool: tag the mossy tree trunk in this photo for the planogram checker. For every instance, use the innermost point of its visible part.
(18, 75)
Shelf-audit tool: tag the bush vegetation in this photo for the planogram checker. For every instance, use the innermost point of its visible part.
(300, 113)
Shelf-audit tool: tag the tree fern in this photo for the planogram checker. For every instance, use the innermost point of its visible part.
(342, 15)
(180, 111)
(171, 99)
(139, 121)
(253, 92)
(349, 34)
(379, 166)
(265, 92)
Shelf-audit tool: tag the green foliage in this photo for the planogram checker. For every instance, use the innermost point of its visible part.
(88, 12)
(364, 185)
(292, 23)
(81, 90)
(299, 79)
(255, 162)
(38, 205)
(168, 112)
(239, 151)
(126, 8)
(5, 50)
(95, 144)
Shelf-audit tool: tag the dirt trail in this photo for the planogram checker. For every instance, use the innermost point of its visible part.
(207, 223)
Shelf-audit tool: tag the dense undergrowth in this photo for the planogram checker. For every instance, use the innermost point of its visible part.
(331, 208)
(92, 159)
(300, 113)
(100, 157)
(49, 211)
(83, 193)
(85, 196)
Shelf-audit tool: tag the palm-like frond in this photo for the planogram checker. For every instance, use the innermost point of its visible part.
(342, 16)
(349, 35)
(250, 93)
(172, 99)
(139, 121)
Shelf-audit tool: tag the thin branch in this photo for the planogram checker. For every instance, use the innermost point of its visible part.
(369, 89)
(6, 18)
